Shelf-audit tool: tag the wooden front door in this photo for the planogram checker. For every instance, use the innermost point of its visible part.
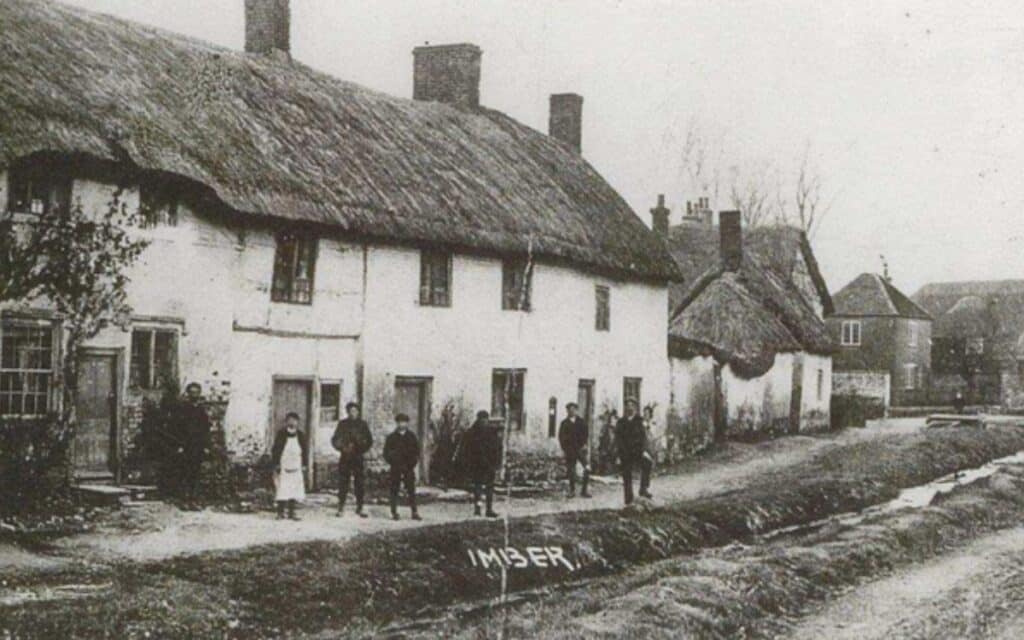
(412, 397)
(292, 395)
(96, 412)
(585, 400)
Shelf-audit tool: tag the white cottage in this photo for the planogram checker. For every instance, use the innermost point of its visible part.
(315, 242)
(749, 350)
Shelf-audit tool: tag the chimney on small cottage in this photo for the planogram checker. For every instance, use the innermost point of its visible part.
(659, 216)
(448, 73)
(731, 240)
(267, 26)
(565, 120)
(709, 215)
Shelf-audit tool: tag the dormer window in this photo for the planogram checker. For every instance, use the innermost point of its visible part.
(516, 278)
(38, 190)
(158, 205)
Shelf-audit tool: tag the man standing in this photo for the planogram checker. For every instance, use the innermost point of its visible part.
(573, 435)
(402, 453)
(352, 439)
(195, 433)
(480, 455)
(630, 439)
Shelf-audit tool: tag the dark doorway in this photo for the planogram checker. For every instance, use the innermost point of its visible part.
(412, 397)
(796, 399)
(96, 411)
(585, 399)
(294, 395)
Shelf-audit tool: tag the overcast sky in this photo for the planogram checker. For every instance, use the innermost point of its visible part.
(914, 111)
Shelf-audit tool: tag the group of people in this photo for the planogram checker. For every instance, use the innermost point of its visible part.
(478, 455)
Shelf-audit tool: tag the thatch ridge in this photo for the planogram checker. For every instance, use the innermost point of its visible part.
(275, 138)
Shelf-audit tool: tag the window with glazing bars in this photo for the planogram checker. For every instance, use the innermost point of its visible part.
(294, 267)
(435, 278)
(26, 369)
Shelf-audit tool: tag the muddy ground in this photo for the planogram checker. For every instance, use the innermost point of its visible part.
(363, 585)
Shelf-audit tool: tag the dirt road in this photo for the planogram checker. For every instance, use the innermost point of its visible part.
(159, 531)
(976, 592)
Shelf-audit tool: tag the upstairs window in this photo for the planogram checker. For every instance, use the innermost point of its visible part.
(851, 333)
(603, 320)
(158, 205)
(154, 358)
(27, 357)
(294, 266)
(38, 190)
(507, 396)
(516, 281)
(913, 335)
(435, 279)
(631, 390)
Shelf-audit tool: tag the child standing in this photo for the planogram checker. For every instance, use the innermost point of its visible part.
(291, 458)
(402, 453)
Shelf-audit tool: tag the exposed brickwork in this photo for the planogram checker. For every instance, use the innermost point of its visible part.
(565, 122)
(267, 26)
(447, 73)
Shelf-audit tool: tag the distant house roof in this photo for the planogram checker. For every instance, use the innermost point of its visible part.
(993, 309)
(870, 294)
(745, 318)
(277, 139)
(694, 246)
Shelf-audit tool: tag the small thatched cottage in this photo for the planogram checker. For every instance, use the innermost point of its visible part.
(977, 340)
(315, 242)
(749, 352)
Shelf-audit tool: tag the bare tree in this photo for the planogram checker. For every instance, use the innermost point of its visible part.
(702, 160)
(750, 193)
(809, 204)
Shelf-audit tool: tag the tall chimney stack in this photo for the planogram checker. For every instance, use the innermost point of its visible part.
(659, 216)
(267, 26)
(448, 73)
(731, 234)
(565, 121)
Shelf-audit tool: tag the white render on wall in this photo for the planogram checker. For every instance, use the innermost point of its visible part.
(211, 282)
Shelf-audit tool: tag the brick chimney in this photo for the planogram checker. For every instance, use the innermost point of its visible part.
(448, 73)
(267, 26)
(731, 242)
(659, 216)
(709, 215)
(565, 121)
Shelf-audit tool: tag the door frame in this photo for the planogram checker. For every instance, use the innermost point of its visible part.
(120, 380)
(312, 411)
(426, 385)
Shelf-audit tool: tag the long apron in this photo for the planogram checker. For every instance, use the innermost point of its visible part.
(290, 483)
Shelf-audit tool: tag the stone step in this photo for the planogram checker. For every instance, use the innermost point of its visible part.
(102, 494)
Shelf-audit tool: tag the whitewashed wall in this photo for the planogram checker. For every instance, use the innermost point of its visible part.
(556, 342)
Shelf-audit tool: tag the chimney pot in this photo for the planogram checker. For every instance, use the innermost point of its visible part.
(448, 73)
(565, 121)
(659, 216)
(731, 240)
(267, 26)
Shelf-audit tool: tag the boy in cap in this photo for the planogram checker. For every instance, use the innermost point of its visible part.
(352, 439)
(573, 435)
(480, 455)
(631, 440)
(402, 453)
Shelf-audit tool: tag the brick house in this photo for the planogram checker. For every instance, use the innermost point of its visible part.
(314, 242)
(978, 340)
(879, 330)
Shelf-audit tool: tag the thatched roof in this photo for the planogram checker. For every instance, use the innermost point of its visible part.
(991, 309)
(745, 318)
(275, 138)
(869, 294)
(694, 246)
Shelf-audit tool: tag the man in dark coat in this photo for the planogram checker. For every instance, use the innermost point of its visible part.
(352, 439)
(195, 433)
(479, 455)
(402, 453)
(573, 435)
(631, 437)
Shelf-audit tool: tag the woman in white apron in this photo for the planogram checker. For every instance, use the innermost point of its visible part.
(291, 458)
